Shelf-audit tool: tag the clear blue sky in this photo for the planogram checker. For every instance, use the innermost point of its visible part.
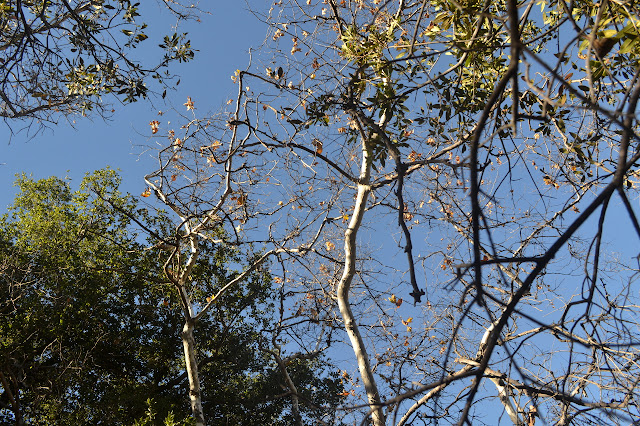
(223, 39)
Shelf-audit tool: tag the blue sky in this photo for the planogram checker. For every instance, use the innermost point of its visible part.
(222, 38)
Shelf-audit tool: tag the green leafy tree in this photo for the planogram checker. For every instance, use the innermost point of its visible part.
(91, 328)
(62, 57)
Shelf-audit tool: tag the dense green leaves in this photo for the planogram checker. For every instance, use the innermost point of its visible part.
(90, 327)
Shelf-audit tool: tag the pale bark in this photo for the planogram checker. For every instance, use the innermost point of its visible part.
(344, 286)
(501, 381)
(191, 362)
(295, 404)
(435, 391)
(505, 399)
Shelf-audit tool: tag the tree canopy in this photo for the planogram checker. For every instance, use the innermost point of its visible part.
(412, 212)
(61, 58)
(90, 330)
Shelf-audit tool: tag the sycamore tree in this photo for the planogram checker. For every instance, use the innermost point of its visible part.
(90, 325)
(61, 58)
(435, 184)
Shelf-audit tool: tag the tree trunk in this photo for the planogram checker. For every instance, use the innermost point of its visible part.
(15, 404)
(350, 324)
(191, 362)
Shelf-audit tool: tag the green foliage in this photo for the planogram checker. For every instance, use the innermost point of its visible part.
(151, 417)
(79, 52)
(90, 328)
(446, 58)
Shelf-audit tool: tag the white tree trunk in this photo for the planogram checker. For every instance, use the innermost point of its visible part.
(191, 362)
(377, 413)
(507, 403)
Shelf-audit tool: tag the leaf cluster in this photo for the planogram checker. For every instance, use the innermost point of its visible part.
(60, 58)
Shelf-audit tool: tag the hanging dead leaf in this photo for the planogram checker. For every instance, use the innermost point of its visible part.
(154, 126)
(396, 301)
(189, 104)
(406, 214)
(407, 321)
(317, 145)
(241, 199)
(549, 181)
